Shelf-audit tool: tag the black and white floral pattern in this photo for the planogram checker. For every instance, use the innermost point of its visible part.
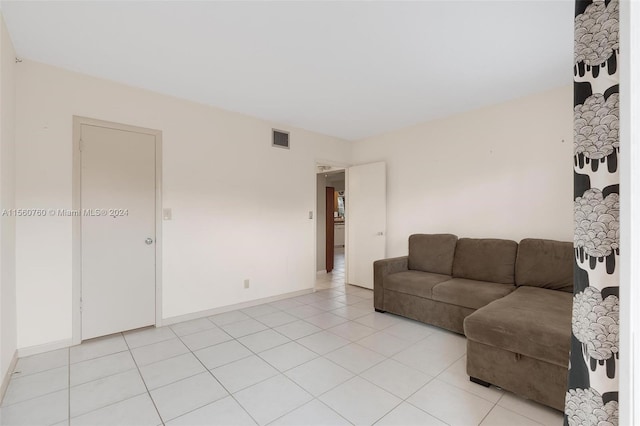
(596, 33)
(596, 325)
(596, 127)
(597, 223)
(592, 395)
(585, 407)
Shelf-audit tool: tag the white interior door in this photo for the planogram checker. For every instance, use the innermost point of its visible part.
(118, 182)
(367, 221)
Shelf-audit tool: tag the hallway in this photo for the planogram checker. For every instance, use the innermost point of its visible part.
(335, 278)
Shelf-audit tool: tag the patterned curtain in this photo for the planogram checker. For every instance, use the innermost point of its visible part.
(592, 395)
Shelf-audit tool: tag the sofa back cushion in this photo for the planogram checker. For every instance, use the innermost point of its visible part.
(485, 259)
(432, 252)
(545, 263)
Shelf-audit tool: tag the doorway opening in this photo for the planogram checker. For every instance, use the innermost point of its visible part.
(331, 238)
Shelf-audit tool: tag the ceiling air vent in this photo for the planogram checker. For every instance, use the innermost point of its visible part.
(280, 139)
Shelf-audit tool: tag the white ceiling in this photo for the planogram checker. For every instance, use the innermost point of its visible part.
(347, 69)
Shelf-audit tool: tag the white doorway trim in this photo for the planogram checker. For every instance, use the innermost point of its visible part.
(629, 396)
(76, 220)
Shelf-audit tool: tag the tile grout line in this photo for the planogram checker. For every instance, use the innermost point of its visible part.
(303, 390)
(290, 368)
(386, 413)
(37, 396)
(129, 350)
(424, 411)
(216, 379)
(282, 373)
(98, 357)
(261, 381)
(323, 356)
(359, 375)
(458, 387)
(438, 375)
(18, 374)
(418, 408)
(110, 375)
(488, 412)
(291, 339)
(417, 390)
(142, 378)
(524, 415)
(313, 398)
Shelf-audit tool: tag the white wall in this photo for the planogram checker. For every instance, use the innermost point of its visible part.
(7, 201)
(503, 171)
(232, 217)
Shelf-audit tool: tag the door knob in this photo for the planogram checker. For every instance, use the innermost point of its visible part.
(148, 241)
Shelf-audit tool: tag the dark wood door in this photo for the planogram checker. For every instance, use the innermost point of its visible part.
(329, 209)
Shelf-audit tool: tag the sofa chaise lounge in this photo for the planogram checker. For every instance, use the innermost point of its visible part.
(512, 301)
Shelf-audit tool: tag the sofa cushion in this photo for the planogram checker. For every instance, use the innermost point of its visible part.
(432, 252)
(545, 263)
(531, 321)
(415, 283)
(485, 259)
(470, 293)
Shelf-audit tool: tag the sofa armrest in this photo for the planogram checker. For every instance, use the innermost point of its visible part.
(380, 269)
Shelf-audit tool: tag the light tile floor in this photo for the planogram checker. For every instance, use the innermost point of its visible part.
(324, 358)
(335, 278)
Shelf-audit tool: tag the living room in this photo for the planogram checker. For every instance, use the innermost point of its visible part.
(476, 136)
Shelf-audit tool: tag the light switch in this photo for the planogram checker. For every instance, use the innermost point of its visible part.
(310, 214)
(166, 214)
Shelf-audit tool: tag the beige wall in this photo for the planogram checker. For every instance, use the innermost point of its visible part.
(503, 171)
(7, 201)
(232, 217)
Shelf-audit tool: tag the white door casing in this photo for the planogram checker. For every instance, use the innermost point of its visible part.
(367, 221)
(118, 204)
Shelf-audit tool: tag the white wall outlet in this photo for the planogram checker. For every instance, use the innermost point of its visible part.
(246, 283)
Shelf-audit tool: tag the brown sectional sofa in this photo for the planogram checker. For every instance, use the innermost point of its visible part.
(512, 301)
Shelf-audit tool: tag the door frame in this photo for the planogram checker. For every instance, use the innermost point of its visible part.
(76, 223)
(335, 167)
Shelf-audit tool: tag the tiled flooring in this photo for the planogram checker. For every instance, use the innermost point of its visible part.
(320, 359)
(335, 278)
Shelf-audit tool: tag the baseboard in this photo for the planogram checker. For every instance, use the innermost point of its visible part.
(223, 309)
(7, 375)
(321, 272)
(38, 349)
(357, 285)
